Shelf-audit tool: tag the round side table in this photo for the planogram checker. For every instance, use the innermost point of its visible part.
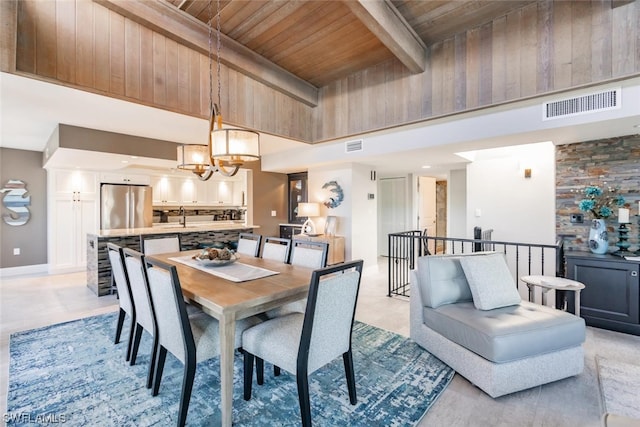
(552, 282)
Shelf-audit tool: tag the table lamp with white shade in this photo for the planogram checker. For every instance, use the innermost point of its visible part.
(309, 210)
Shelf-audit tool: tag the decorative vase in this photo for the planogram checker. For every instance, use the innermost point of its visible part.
(598, 237)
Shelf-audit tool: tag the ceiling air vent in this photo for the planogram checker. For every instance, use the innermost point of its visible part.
(353, 146)
(592, 103)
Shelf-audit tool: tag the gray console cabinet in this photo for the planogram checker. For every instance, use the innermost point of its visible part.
(611, 297)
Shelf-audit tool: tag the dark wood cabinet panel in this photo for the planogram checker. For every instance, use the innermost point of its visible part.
(611, 298)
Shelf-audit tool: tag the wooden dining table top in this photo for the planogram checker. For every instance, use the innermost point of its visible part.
(218, 296)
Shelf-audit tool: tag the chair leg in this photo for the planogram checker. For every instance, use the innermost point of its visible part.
(303, 398)
(351, 378)
(157, 372)
(152, 364)
(276, 371)
(121, 315)
(187, 386)
(248, 374)
(260, 370)
(136, 344)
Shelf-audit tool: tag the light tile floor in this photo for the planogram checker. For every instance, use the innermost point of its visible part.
(35, 301)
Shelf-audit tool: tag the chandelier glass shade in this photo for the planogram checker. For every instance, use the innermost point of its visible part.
(228, 149)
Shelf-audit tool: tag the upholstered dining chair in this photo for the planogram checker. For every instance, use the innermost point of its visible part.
(121, 279)
(249, 244)
(276, 248)
(303, 343)
(154, 244)
(306, 254)
(309, 253)
(142, 302)
(190, 338)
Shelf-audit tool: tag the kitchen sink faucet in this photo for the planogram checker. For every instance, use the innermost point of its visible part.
(182, 212)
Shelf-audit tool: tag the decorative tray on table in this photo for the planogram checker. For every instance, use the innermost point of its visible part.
(212, 257)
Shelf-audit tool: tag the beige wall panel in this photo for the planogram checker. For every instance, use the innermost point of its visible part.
(413, 96)
(426, 93)
(26, 37)
(448, 76)
(8, 31)
(437, 78)
(116, 54)
(66, 41)
(131, 59)
(171, 65)
(486, 63)
(528, 51)
(513, 54)
(581, 50)
(545, 47)
(473, 68)
(45, 39)
(356, 102)
(101, 48)
(146, 65)
(183, 78)
(562, 44)
(601, 39)
(159, 70)
(499, 56)
(625, 22)
(195, 88)
(84, 43)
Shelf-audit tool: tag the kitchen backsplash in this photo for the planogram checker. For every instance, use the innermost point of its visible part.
(198, 215)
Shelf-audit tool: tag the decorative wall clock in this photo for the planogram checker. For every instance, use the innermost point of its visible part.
(336, 197)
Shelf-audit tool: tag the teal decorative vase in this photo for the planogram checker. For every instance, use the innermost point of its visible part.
(598, 237)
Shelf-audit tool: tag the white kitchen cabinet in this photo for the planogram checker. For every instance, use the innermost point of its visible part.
(119, 178)
(74, 211)
(166, 190)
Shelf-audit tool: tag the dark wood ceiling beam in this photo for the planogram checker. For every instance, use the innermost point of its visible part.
(183, 28)
(386, 23)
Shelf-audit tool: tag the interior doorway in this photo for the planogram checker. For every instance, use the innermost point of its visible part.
(392, 210)
(427, 207)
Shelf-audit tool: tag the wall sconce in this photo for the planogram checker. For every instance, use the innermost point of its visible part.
(527, 173)
(309, 210)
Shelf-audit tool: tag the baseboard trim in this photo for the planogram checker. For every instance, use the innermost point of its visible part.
(36, 269)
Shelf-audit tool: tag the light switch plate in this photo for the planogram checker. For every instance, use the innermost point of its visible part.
(273, 213)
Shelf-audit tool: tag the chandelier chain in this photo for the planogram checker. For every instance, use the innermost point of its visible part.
(218, 50)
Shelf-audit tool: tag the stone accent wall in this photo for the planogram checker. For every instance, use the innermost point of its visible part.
(441, 213)
(612, 162)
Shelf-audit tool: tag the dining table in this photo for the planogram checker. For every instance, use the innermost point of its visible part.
(229, 301)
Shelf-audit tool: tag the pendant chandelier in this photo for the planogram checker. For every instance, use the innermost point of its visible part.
(228, 149)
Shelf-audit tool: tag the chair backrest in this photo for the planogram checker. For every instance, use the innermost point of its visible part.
(328, 318)
(276, 248)
(309, 254)
(174, 329)
(155, 244)
(120, 277)
(139, 289)
(249, 244)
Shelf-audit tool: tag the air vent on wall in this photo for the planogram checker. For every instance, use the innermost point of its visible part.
(592, 103)
(351, 146)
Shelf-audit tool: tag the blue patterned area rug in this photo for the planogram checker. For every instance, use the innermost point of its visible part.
(73, 373)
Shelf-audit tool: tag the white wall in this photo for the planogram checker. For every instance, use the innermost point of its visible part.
(457, 204)
(356, 216)
(518, 209)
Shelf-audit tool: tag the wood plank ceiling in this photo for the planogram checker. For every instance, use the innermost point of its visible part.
(322, 41)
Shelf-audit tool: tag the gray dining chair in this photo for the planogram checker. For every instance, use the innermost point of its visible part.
(121, 279)
(276, 248)
(305, 254)
(191, 339)
(155, 244)
(142, 303)
(249, 244)
(303, 343)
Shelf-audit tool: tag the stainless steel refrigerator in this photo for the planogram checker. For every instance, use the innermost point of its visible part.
(125, 206)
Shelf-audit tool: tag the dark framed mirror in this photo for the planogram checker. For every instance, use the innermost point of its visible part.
(297, 194)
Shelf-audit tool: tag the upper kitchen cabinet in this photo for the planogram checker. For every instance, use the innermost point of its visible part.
(166, 190)
(73, 212)
(130, 179)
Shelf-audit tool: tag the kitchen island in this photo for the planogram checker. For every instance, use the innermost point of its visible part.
(192, 236)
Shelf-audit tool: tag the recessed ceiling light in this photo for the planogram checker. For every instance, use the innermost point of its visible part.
(426, 167)
(125, 161)
(134, 157)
